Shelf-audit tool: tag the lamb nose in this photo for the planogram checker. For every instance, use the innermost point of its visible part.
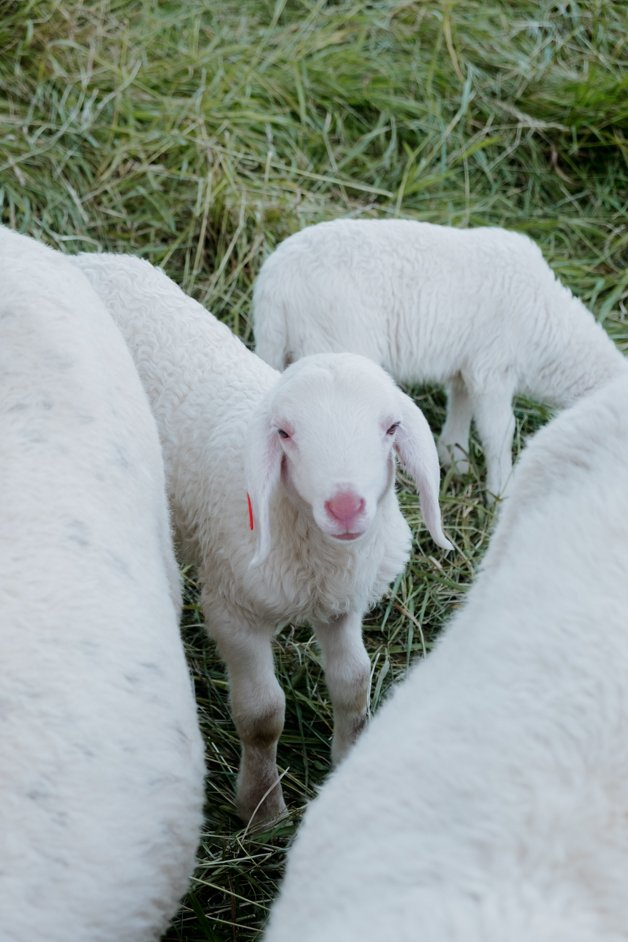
(345, 506)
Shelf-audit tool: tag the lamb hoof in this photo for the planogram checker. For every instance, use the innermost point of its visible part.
(454, 457)
(341, 747)
(258, 809)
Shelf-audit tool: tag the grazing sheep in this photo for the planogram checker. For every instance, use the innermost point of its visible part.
(101, 759)
(488, 800)
(477, 309)
(328, 536)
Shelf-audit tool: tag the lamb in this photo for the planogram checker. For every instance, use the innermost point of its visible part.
(477, 309)
(314, 450)
(488, 799)
(101, 788)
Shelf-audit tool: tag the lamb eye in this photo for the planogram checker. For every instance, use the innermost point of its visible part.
(393, 428)
(282, 433)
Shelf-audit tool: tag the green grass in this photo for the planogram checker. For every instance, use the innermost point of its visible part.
(200, 134)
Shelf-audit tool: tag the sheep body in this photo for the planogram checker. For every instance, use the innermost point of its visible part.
(476, 309)
(217, 406)
(488, 799)
(101, 788)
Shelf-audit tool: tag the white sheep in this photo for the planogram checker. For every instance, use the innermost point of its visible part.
(488, 800)
(476, 309)
(101, 759)
(328, 534)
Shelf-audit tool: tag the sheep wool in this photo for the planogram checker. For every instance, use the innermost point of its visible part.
(478, 310)
(282, 490)
(488, 800)
(101, 788)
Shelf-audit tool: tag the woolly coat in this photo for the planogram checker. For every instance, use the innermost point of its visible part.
(205, 388)
(101, 788)
(427, 302)
(488, 799)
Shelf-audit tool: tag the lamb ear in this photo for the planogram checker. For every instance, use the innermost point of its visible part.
(262, 465)
(415, 446)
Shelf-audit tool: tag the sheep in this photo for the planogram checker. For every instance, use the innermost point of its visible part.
(477, 309)
(321, 536)
(488, 799)
(102, 780)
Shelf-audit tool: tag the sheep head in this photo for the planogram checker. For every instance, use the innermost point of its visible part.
(328, 432)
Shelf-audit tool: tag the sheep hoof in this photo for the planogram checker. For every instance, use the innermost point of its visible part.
(259, 807)
(343, 745)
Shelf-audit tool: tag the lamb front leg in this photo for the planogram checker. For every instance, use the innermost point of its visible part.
(257, 707)
(347, 672)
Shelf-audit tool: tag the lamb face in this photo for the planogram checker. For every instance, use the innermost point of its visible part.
(328, 433)
(335, 432)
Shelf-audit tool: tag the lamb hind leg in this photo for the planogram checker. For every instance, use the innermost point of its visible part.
(347, 672)
(492, 409)
(453, 443)
(257, 707)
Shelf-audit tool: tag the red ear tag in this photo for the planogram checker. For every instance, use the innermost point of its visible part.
(250, 505)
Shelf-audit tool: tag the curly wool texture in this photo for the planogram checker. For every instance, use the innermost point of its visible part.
(476, 309)
(205, 387)
(488, 799)
(101, 788)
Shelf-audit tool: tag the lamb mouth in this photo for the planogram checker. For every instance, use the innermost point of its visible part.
(348, 536)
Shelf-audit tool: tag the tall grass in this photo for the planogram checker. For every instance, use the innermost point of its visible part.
(200, 134)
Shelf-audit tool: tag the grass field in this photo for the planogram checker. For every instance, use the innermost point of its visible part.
(200, 134)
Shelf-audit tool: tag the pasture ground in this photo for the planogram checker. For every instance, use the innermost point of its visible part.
(200, 134)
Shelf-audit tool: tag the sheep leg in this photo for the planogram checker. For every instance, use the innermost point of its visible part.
(257, 707)
(453, 444)
(347, 672)
(496, 427)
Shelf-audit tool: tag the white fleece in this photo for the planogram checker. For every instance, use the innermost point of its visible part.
(101, 758)
(488, 800)
(479, 310)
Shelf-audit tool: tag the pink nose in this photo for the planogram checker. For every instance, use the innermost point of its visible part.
(345, 507)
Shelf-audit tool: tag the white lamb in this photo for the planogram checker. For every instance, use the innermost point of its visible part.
(488, 800)
(328, 534)
(476, 309)
(101, 759)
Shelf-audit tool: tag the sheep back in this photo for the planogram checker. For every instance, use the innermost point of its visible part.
(102, 759)
(488, 798)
